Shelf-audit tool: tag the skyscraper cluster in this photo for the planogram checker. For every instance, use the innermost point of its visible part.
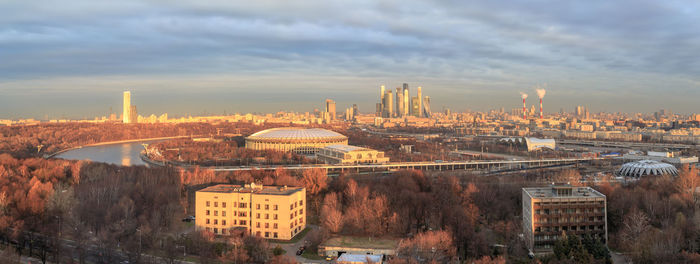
(402, 104)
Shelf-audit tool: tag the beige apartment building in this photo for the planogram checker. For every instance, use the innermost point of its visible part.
(274, 212)
(346, 154)
(550, 211)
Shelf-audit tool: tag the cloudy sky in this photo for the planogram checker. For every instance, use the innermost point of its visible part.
(73, 58)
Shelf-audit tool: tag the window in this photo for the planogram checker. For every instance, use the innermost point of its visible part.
(242, 205)
(223, 231)
(223, 222)
(267, 207)
(257, 216)
(301, 203)
(291, 216)
(234, 221)
(223, 213)
(274, 235)
(242, 214)
(274, 207)
(207, 220)
(291, 207)
(267, 225)
(274, 217)
(291, 225)
(267, 216)
(216, 204)
(301, 211)
(234, 213)
(295, 213)
(243, 222)
(223, 204)
(257, 224)
(207, 203)
(274, 225)
(216, 213)
(301, 220)
(216, 230)
(267, 234)
(257, 206)
(216, 222)
(207, 212)
(257, 233)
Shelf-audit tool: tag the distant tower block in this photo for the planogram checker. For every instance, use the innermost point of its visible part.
(540, 108)
(420, 101)
(126, 116)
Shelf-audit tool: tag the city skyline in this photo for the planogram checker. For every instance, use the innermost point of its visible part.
(192, 58)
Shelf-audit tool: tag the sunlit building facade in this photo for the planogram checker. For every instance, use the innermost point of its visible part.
(273, 212)
(548, 212)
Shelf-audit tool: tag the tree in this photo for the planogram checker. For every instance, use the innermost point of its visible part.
(331, 216)
(431, 246)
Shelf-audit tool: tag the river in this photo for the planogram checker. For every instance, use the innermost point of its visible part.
(126, 154)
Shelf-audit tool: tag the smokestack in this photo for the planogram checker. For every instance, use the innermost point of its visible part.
(540, 93)
(524, 96)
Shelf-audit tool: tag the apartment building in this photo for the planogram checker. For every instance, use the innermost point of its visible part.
(549, 212)
(274, 212)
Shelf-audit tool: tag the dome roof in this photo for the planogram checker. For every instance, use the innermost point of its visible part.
(646, 167)
(295, 133)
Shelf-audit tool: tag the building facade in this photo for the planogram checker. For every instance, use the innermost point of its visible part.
(274, 212)
(549, 212)
(346, 154)
(126, 115)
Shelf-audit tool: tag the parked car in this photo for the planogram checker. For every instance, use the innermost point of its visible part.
(188, 219)
(301, 250)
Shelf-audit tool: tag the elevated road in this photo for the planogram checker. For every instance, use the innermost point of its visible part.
(432, 166)
(622, 144)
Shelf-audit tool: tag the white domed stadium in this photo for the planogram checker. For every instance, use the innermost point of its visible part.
(641, 168)
(299, 140)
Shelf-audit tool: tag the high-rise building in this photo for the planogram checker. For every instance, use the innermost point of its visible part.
(420, 102)
(355, 110)
(382, 92)
(426, 107)
(550, 211)
(126, 115)
(330, 108)
(406, 100)
(273, 212)
(133, 114)
(399, 102)
(415, 108)
(388, 104)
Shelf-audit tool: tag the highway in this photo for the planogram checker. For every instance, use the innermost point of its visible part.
(435, 165)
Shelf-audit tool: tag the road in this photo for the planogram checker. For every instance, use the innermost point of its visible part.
(291, 249)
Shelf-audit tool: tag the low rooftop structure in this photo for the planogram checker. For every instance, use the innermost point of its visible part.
(346, 154)
(252, 188)
(358, 245)
(358, 259)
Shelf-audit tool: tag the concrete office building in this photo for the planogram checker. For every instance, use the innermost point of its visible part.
(126, 115)
(346, 154)
(274, 212)
(299, 140)
(550, 211)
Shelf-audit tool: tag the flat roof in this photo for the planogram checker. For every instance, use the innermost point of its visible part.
(345, 148)
(359, 258)
(251, 188)
(551, 192)
(361, 242)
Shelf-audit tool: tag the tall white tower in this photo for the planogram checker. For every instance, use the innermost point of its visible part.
(126, 116)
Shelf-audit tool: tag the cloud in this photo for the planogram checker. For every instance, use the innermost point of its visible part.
(459, 46)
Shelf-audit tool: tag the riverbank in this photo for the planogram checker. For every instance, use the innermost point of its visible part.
(112, 143)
